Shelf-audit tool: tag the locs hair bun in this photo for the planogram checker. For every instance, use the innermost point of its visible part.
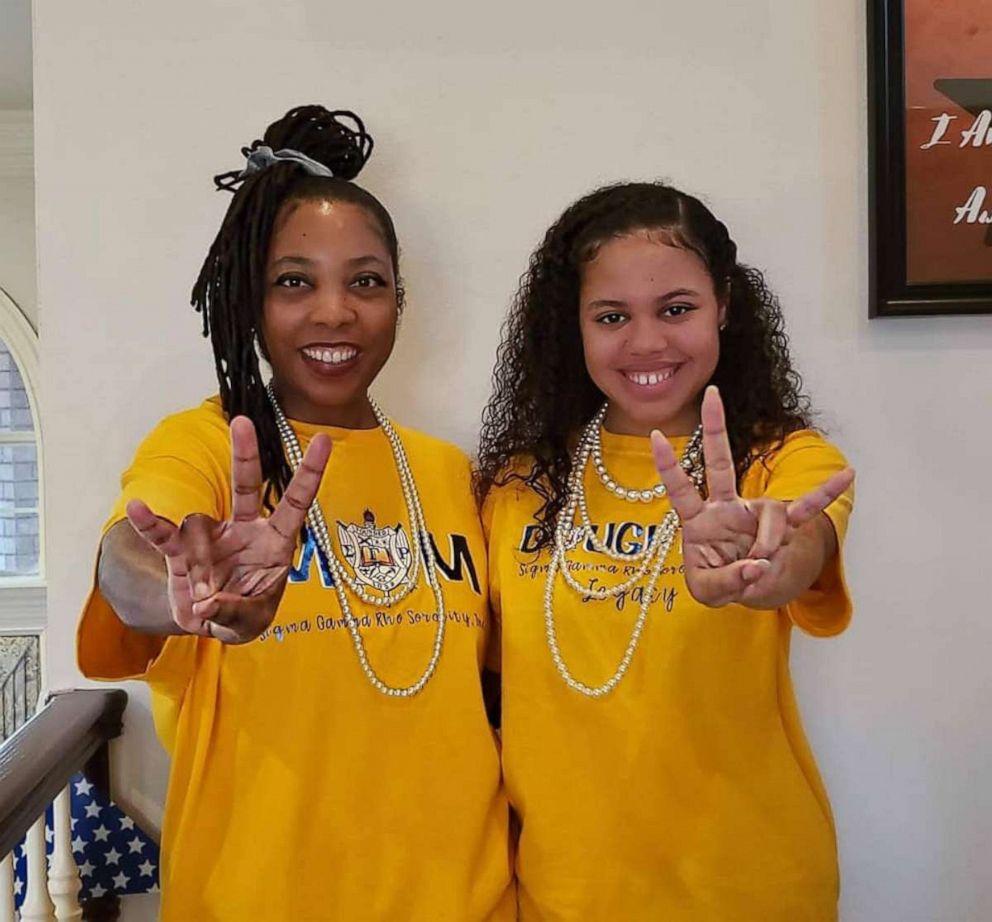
(336, 140)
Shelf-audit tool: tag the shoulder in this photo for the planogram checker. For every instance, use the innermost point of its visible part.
(511, 497)
(207, 417)
(195, 431)
(424, 448)
(182, 466)
(442, 470)
(443, 475)
(803, 445)
(801, 461)
(511, 484)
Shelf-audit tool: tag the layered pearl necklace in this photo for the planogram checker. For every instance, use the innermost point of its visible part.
(651, 557)
(421, 554)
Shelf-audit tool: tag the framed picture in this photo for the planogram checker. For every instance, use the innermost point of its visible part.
(930, 151)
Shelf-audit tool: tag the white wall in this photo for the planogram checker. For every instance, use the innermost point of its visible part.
(487, 123)
(17, 266)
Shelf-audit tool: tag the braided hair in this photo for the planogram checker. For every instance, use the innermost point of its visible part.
(543, 394)
(230, 290)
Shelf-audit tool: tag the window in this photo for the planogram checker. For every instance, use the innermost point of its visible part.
(22, 557)
(19, 538)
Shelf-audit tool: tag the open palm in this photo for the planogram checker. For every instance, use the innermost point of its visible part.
(226, 578)
(729, 544)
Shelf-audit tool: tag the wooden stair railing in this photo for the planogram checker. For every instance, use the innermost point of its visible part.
(67, 735)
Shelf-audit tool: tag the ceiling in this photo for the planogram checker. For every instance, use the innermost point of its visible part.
(15, 54)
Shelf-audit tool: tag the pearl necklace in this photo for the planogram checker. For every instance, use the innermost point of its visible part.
(590, 445)
(652, 556)
(690, 458)
(421, 554)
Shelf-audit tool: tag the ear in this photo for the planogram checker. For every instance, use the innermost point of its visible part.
(724, 307)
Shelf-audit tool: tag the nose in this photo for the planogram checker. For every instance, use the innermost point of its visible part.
(646, 336)
(333, 307)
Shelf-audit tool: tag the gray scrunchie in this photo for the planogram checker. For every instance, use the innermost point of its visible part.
(262, 157)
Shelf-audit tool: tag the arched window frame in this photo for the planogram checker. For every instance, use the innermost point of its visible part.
(22, 599)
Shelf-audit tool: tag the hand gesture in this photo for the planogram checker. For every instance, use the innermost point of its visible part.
(733, 548)
(225, 579)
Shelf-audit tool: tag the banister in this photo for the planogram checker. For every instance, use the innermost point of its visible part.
(37, 762)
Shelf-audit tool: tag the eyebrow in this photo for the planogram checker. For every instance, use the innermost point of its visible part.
(292, 260)
(362, 260)
(304, 261)
(668, 296)
(605, 302)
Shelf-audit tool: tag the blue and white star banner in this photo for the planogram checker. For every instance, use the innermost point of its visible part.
(112, 853)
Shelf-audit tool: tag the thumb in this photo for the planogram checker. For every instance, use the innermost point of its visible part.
(722, 585)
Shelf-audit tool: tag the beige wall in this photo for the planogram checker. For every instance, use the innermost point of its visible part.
(487, 123)
(17, 265)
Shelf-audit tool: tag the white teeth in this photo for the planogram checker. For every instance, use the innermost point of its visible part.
(647, 378)
(331, 356)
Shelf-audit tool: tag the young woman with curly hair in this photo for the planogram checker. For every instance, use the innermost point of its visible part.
(652, 747)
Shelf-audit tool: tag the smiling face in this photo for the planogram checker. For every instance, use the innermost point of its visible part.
(649, 316)
(329, 317)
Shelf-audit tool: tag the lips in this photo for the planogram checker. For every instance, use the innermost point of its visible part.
(330, 355)
(331, 360)
(652, 377)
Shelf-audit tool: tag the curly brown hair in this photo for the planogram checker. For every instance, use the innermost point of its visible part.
(543, 394)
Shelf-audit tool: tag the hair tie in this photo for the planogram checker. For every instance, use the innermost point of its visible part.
(263, 157)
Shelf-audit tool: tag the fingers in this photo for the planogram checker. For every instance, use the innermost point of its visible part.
(809, 506)
(290, 514)
(197, 535)
(764, 593)
(236, 616)
(180, 598)
(721, 476)
(159, 533)
(233, 618)
(227, 609)
(773, 528)
(684, 497)
(713, 554)
(719, 587)
(226, 635)
(168, 540)
(255, 581)
(246, 470)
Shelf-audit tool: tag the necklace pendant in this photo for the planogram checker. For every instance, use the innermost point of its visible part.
(422, 557)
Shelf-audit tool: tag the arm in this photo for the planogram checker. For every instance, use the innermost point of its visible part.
(133, 578)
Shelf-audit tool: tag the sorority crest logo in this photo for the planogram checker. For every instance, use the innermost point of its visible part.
(380, 557)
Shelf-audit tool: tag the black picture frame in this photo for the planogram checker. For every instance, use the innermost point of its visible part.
(890, 293)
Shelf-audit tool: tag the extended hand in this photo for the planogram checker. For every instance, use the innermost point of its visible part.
(226, 579)
(733, 548)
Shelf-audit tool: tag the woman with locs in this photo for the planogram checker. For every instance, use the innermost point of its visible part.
(269, 569)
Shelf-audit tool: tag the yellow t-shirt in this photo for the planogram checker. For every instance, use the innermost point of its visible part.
(689, 793)
(298, 791)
